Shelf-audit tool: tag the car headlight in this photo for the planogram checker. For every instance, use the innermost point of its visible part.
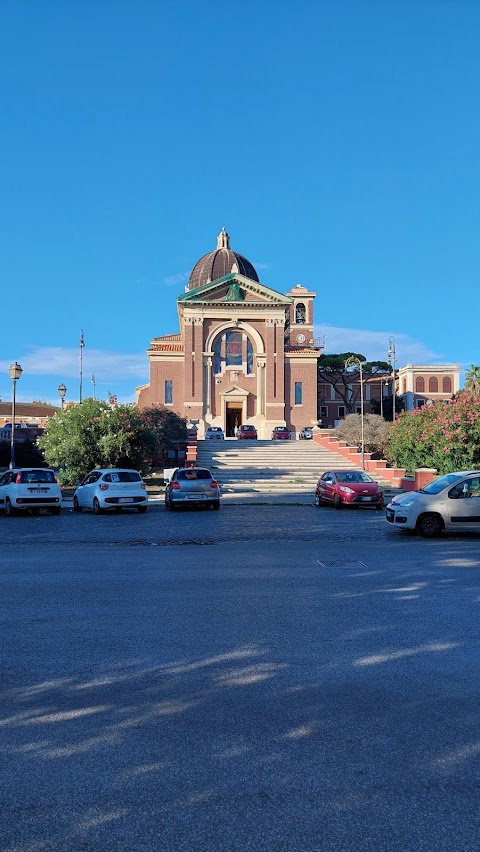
(405, 504)
(345, 489)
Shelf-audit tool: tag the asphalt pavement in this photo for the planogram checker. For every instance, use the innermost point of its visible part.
(260, 678)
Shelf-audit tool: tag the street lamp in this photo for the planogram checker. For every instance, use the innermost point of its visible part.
(61, 392)
(391, 355)
(355, 362)
(14, 371)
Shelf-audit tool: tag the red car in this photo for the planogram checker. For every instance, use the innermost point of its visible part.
(348, 488)
(247, 432)
(280, 433)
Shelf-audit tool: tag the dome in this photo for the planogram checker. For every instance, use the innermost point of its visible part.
(220, 262)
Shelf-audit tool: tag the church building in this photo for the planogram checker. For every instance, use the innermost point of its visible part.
(245, 353)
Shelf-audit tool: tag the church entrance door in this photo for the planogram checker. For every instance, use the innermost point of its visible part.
(233, 417)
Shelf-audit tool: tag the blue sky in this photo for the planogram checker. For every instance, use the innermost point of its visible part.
(338, 142)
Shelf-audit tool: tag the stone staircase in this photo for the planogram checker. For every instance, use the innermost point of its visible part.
(279, 468)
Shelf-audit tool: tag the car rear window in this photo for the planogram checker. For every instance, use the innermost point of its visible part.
(37, 476)
(353, 476)
(193, 473)
(122, 476)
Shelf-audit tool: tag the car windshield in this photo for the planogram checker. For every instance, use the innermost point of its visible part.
(122, 476)
(439, 484)
(353, 476)
(37, 476)
(281, 429)
(214, 429)
(193, 473)
(247, 428)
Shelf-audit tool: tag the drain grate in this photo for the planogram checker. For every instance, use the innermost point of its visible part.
(341, 563)
(141, 542)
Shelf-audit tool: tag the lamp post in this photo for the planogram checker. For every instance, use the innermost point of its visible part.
(391, 355)
(61, 392)
(355, 362)
(14, 371)
(94, 385)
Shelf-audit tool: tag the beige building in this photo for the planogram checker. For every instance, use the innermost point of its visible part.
(417, 384)
(245, 353)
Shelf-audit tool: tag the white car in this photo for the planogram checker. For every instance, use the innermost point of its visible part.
(30, 489)
(112, 488)
(451, 502)
(214, 432)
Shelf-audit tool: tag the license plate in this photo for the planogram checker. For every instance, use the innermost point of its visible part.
(195, 497)
(38, 490)
(367, 499)
(125, 499)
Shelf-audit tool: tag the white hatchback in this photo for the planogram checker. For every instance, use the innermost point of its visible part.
(451, 502)
(30, 489)
(111, 489)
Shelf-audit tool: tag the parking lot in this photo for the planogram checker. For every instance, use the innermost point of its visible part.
(259, 678)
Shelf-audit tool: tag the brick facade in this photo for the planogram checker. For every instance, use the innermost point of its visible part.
(244, 354)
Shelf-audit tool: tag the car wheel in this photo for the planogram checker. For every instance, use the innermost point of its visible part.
(379, 507)
(337, 502)
(76, 505)
(56, 510)
(96, 507)
(216, 505)
(318, 502)
(171, 506)
(430, 526)
(9, 510)
(141, 509)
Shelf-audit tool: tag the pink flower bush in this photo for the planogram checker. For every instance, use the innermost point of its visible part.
(445, 436)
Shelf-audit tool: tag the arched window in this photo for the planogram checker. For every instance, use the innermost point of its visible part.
(230, 349)
(300, 314)
(404, 385)
(446, 384)
(433, 384)
(419, 384)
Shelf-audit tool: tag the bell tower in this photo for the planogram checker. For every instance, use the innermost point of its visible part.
(301, 316)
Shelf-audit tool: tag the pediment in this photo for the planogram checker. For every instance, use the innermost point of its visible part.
(235, 391)
(226, 288)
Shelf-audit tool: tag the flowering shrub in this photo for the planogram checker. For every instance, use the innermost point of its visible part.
(375, 428)
(445, 436)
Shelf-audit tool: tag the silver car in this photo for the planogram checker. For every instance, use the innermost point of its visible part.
(451, 502)
(213, 433)
(192, 486)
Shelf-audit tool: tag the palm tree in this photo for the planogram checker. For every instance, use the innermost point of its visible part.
(472, 379)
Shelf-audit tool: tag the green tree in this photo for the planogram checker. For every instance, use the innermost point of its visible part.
(93, 434)
(331, 370)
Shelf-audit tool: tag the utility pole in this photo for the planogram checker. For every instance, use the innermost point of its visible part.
(82, 344)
